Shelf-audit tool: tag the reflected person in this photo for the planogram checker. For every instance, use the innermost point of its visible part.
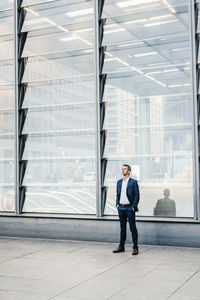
(127, 199)
(166, 206)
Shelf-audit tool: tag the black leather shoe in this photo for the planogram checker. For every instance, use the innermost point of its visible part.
(118, 250)
(135, 251)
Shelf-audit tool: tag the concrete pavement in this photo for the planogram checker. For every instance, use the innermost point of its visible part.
(42, 269)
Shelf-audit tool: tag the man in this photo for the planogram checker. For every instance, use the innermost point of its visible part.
(165, 206)
(127, 201)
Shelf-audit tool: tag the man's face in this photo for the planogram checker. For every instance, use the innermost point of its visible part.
(125, 171)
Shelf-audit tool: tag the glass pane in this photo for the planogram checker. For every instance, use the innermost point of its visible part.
(148, 104)
(79, 172)
(7, 73)
(7, 169)
(6, 50)
(57, 40)
(60, 102)
(7, 121)
(7, 148)
(56, 199)
(40, 68)
(7, 152)
(145, 29)
(6, 4)
(61, 146)
(165, 111)
(6, 99)
(153, 87)
(62, 118)
(6, 22)
(7, 196)
(149, 142)
(144, 8)
(7, 175)
(155, 175)
(170, 58)
(51, 2)
(59, 92)
(56, 14)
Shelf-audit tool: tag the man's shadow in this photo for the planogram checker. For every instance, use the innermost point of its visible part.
(165, 206)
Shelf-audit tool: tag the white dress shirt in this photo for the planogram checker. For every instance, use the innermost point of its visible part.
(123, 197)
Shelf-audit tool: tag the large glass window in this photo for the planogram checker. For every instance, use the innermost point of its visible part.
(146, 117)
(148, 103)
(6, 107)
(60, 101)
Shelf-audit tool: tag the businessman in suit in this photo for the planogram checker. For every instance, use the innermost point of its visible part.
(127, 204)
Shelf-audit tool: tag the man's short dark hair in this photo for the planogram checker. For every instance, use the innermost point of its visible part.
(129, 168)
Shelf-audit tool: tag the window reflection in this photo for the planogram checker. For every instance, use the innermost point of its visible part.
(60, 100)
(147, 99)
(7, 152)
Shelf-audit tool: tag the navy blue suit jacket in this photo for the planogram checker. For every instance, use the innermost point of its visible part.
(132, 192)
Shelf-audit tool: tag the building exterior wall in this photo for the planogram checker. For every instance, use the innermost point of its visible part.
(86, 86)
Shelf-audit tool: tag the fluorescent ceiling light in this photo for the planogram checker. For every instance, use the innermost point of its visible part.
(157, 64)
(159, 17)
(36, 21)
(121, 69)
(148, 19)
(121, 61)
(179, 85)
(31, 11)
(83, 30)
(88, 51)
(160, 23)
(151, 6)
(70, 38)
(163, 71)
(130, 44)
(110, 25)
(110, 59)
(135, 21)
(179, 49)
(83, 19)
(150, 77)
(114, 30)
(62, 28)
(170, 70)
(161, 83)
(108, 54)
(80, 12)
(51, 22)
(145, 54)
(156, 72)
(125, 4)
(171, 9)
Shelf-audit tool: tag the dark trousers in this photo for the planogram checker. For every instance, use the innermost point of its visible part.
(126, 213)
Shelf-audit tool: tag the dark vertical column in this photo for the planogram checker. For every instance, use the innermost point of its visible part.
(22, 113)
(102, 81)
(194, 13)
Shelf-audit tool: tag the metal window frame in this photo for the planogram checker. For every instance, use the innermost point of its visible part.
(97, 109)
(16, 114)
(193, 55)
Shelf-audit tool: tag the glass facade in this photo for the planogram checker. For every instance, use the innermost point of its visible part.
(148, 100)
(108, 81)
(60, 103)
(7, 123)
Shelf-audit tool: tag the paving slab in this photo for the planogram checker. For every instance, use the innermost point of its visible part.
(39, 269)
